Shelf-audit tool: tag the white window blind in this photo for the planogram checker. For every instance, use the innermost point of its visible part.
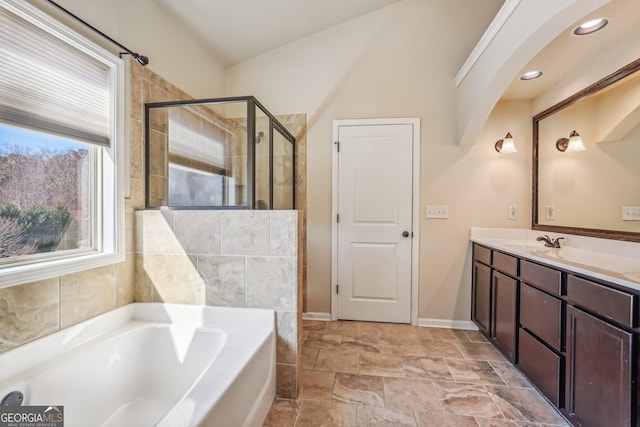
(193, 137)
(51, 86)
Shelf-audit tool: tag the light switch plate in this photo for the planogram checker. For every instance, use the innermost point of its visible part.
(440, 212)
(631, 213)
(512, 212)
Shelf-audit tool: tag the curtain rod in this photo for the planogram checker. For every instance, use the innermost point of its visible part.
(143, 60)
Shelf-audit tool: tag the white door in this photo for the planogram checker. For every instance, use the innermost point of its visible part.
(374, 223)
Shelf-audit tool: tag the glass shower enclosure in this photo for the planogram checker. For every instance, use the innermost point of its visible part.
(224, 153)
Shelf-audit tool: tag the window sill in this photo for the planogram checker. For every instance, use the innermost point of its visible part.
(23, 274)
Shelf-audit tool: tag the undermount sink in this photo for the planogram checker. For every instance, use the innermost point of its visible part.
(526, 245)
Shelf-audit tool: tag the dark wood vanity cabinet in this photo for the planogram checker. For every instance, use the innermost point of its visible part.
(540, 342)
(495, 298)
(541, 334)
(598, 389)
(481, 309)
(600, 354)
(504, 299)
(573, 337)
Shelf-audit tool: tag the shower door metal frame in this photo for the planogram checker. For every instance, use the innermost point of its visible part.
(252, 104)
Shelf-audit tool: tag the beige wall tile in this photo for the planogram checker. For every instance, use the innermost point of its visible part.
(143, 288)
(286, 381)
(154, 232)
(136, 151)
(283, 233)
(28, 312)
(125, 279)
(198, 232)
(136, 201)
(158, 150)
(135, 91)
(245, 233)
(271, 283)
(129, 232)
(87, 294)
(224, 280)
(157, 192)
(173, 278)
(286, 327)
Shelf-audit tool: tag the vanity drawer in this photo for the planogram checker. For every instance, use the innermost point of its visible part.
(608, 302)
(541, 365)
(540, 313)
(505, 263)
(545, 278)
(482, 254)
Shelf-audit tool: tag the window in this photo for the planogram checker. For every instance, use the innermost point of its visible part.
(61, 132)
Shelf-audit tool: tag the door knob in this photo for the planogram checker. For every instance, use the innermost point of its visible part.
(405, 234)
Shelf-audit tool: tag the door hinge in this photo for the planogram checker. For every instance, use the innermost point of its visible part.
(337, 217)
(337, 145)
(337, 289)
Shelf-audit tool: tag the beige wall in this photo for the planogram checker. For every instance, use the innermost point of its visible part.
(400, 62)
(144, 26)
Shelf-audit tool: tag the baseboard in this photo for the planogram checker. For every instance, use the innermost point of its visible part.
(434, 323)
(324, 317)
(450, 324)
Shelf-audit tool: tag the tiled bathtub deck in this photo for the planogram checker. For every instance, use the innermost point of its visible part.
(373, 374)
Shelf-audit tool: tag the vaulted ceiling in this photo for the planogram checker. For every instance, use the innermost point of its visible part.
(236, 30)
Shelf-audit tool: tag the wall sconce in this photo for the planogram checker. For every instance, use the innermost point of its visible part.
(506, 145)
(574, 143)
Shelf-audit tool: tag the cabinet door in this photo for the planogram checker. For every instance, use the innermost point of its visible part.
(481, 301)
(505, 295)
(598, 372)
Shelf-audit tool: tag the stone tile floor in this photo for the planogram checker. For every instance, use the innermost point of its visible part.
(377, 374)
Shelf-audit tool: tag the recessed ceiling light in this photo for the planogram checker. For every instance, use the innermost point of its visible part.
(590, 26)
(530, 75)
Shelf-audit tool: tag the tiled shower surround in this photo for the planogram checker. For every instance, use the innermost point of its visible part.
(226, 258)
(34, 310)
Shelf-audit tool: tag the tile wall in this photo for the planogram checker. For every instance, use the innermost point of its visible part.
(226, 258)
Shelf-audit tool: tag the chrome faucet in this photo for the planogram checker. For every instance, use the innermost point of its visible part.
(549, 242)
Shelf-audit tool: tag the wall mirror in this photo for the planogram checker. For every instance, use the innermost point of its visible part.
(596, 191)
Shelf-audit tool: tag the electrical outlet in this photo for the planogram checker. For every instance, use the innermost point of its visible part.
(441, 212)
(513, 212)
(631, 213)
(550, 212)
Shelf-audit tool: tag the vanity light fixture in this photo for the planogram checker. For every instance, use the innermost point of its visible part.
(530, 75)
(506, 145)
(590, 26)
(574, 143)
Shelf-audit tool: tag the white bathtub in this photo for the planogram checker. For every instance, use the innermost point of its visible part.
(151, 364)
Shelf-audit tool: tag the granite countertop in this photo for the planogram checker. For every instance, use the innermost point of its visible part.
(613, 261)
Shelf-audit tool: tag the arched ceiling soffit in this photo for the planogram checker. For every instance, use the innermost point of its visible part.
(520, 30)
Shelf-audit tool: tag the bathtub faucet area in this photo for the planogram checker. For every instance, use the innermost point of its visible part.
(13, 399)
